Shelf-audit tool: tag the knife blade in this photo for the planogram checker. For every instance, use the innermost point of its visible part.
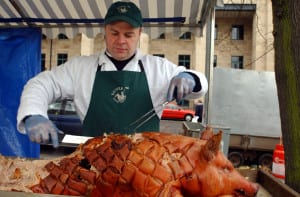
(75, 139)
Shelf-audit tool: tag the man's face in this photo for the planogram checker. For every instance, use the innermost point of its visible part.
(121, 39)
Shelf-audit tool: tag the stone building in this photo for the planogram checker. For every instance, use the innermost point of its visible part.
(242, 39)
(243, 36)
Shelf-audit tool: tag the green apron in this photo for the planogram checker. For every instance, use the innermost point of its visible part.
(118, 99)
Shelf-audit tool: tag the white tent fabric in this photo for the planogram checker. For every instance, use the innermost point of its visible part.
(71, 17)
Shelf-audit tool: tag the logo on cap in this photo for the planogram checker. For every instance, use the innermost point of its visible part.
(122, 9)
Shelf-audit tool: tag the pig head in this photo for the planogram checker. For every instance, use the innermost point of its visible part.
(214, 174)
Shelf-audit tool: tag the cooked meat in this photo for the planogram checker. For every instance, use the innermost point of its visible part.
(143, 164)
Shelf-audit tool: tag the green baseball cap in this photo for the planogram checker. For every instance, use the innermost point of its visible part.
(124, 11)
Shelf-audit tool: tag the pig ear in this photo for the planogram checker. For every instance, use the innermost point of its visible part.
(212, 146)
(207, 133)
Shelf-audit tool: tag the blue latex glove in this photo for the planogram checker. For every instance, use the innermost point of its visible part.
(40, 129)
(181, 85)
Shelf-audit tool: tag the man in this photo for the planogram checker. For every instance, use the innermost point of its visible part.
(111, 89)
(199, 110)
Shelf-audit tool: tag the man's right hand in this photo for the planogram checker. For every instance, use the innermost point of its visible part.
(40, 129)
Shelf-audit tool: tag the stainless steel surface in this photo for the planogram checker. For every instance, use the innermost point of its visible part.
(246, 101)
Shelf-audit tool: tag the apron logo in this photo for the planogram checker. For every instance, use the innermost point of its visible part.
(119, 95)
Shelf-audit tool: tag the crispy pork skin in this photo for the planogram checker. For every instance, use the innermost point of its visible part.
(143, 164)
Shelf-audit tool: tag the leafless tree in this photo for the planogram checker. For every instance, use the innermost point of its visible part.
(286, 20)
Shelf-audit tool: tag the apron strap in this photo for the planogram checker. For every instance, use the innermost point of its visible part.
(141, 66)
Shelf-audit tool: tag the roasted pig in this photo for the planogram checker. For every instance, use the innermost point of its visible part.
(142, 164)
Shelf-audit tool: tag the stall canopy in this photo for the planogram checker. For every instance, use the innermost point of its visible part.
(71, 17)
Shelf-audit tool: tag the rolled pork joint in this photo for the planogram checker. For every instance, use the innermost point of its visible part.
(143, 164)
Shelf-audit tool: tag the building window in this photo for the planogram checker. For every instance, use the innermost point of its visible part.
(44, 37)
(237, 32)
(62, 37)
(184, 60)
(162, 36)
(62, 58)
(215, 61)
(216, 32)
(186, 36)
(43, 62)
(237, 62)
(159, 55)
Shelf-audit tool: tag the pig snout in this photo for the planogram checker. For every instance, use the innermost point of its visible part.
(230, 180)
(248, 191)
(219, 181)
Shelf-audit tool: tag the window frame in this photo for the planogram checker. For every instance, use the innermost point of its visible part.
(43, 61)
(62, 36)
(186, 36)
(237, 32)
(162, 36)
(159, 55)
(62, 60)
(238, 63)
(216, 32)
(215, 61)
(184, 60)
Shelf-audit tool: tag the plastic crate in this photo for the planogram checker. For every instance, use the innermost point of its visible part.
(194, 129)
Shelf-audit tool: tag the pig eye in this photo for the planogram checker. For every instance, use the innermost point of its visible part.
(227, 168)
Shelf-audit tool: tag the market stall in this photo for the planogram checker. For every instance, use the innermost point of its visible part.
(70, 17)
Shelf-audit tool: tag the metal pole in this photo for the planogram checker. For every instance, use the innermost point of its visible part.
(210, 24)
(50, 60)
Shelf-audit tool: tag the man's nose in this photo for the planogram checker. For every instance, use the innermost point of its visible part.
(121, 39)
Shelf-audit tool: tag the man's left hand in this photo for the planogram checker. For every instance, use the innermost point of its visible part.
(181, 85)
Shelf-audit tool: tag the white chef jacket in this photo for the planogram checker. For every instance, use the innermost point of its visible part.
(75, 78)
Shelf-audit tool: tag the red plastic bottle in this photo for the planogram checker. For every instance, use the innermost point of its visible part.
(278, 166)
